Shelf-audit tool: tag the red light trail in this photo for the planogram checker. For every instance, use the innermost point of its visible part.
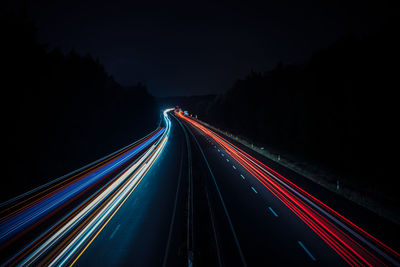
(353, 244)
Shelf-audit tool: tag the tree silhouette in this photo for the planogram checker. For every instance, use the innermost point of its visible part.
(337, 110)
(60, 111)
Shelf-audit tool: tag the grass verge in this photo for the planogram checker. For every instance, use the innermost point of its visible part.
(323, 177)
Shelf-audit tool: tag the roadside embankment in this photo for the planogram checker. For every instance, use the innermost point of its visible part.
(323, 177)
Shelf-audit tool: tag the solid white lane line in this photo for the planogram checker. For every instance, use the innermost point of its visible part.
(173, 212)
(222, 202)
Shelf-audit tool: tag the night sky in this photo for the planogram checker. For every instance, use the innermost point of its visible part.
(198, 47)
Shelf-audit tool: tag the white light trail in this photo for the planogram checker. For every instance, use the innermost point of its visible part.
(120, 190)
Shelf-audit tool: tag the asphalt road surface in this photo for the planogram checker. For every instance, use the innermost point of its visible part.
(201, 200)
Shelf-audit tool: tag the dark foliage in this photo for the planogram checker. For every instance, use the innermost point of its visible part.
(339, 109)
(60, 111)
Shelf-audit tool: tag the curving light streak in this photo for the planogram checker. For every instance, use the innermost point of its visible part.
(23, 219)
(30, 198)
(65, 241)
(52, 189)
(116, 201)
(113, 204)
(353, 244)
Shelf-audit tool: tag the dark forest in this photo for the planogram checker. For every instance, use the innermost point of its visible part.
(61, 107)
(338, 110)
(199, 133)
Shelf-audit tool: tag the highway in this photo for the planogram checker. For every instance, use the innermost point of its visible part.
(185, 196)
(55, 223)
(274, 221)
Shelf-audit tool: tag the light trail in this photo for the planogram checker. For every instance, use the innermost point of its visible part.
(29, 198)
(353, 244)
(63, 242)
(30, 215)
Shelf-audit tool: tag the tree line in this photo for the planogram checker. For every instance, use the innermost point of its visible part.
(60, 110)
(339, 109)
